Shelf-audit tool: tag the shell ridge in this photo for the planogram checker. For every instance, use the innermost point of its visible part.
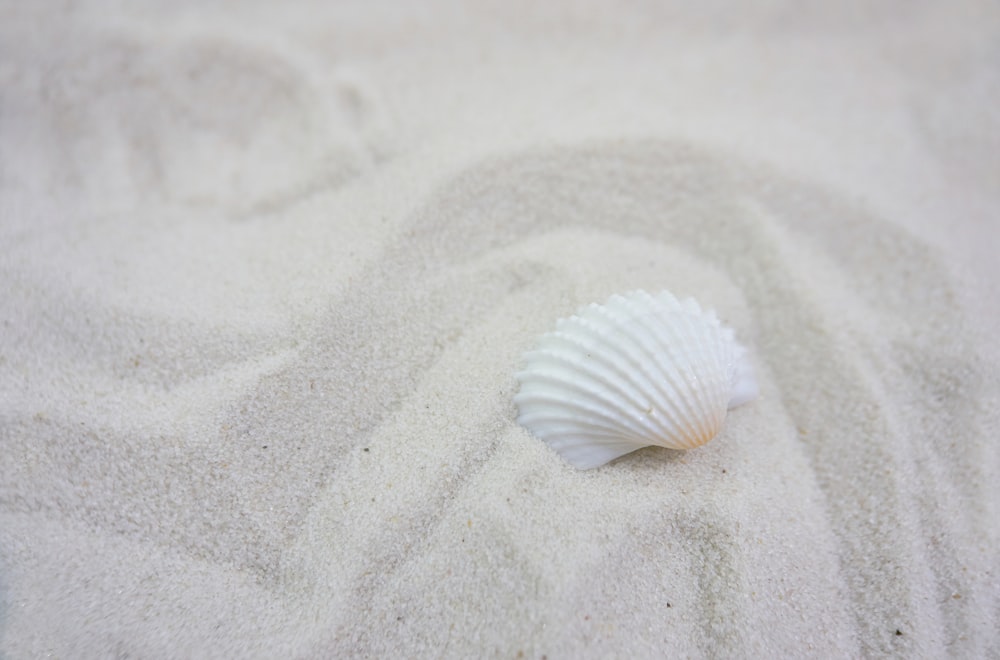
(624, 348)
(637, 354)
(609, 371)
(562, 439)
(619, 378)
(701, 333)
(677, 385)
(641, 369)
(659, 353)
(690, 377)
(558, 373)
(621, 395)
(545, 421)
(688, 318)
(596, 327)
(719, 387)
(696, 335)
(546, 407)
(715, 348)
(567, 432)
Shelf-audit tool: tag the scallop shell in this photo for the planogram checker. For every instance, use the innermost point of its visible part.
(639, 370)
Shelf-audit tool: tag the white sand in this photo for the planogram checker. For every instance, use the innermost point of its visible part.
(267, 275)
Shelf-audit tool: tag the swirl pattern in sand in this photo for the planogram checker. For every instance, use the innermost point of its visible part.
(372, 464)
(267, 277)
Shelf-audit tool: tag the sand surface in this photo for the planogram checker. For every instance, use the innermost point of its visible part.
(266, 273)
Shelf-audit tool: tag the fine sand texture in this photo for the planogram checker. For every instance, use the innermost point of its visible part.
(267, 271)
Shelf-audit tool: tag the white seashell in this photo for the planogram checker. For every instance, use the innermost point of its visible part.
(639, 370)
